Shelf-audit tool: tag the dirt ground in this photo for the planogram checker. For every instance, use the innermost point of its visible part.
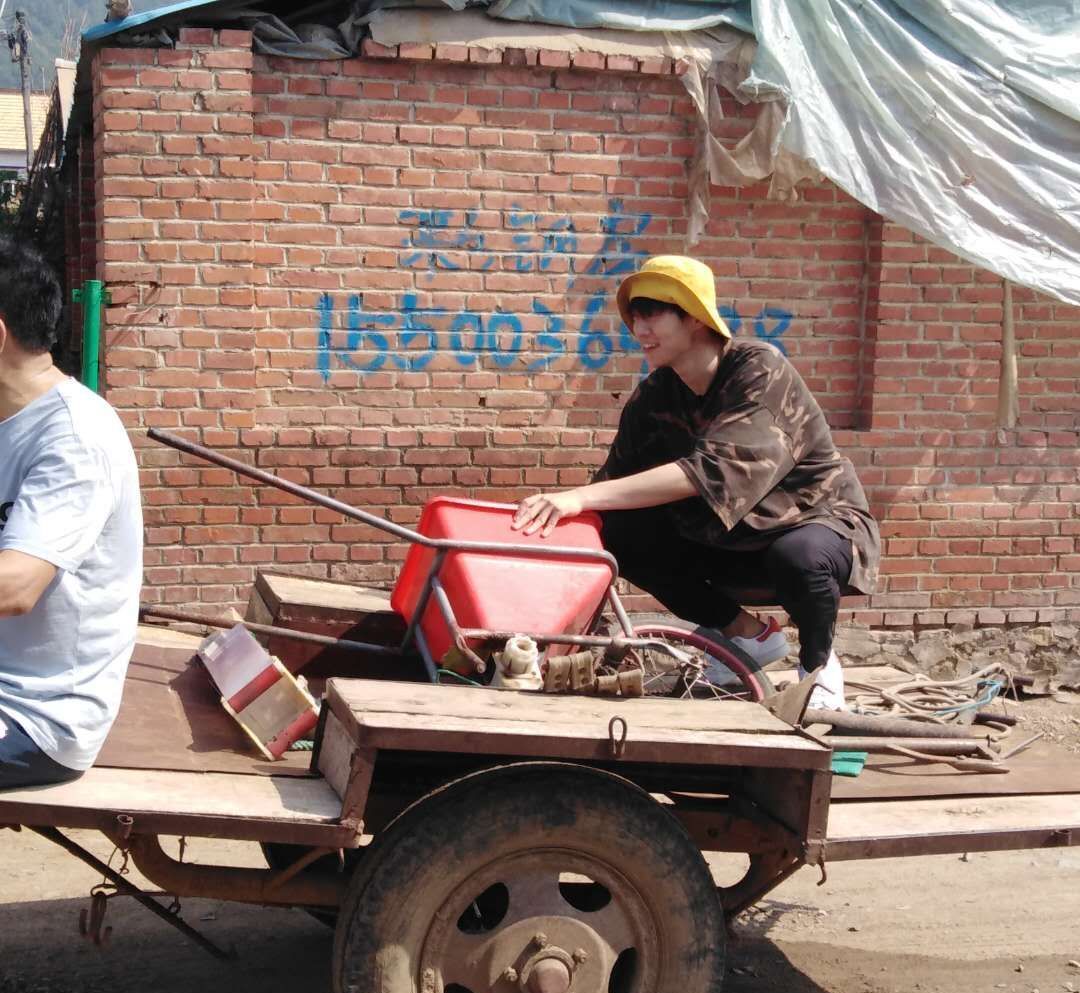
(1005, 921)
(941, 924)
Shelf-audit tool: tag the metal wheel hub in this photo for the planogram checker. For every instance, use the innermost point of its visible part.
(550, 970)
(540, 942)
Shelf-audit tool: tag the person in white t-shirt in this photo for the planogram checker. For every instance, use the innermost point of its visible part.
(70, 543)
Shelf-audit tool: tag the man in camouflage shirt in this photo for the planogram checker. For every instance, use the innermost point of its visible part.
(723, 479)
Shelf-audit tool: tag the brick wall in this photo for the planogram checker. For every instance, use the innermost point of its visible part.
(393, 277)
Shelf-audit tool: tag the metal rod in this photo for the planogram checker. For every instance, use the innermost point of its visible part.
(425, 596)
(932, 746)
(299, 866)
(582, 640)
(620, 611)
(425, 653)
(130, 889)
(443, 602)
(1017, 749)
(960, 762)
(148, 610)
(312, 496)
(989, 717)
(896, 727)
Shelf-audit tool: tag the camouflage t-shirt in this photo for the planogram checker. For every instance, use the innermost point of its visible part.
(758, 449)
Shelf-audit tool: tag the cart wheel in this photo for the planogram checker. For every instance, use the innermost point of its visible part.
(532, 878)
(731, 673)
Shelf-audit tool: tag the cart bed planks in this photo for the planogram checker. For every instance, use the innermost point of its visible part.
(941, 826)
(298, 810)
(466, 720)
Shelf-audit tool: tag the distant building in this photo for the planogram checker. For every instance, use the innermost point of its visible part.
(13, 131)
(12, 128)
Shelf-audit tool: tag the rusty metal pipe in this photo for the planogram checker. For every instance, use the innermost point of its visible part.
(216, 882)
(989, 717)
(188, 617)
(892, 727)
(382, 523)
(932, 746)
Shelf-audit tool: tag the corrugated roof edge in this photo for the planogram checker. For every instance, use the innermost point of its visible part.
(108, 28)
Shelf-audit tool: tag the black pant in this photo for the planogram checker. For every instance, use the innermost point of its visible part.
(804, 570)
(22, 763)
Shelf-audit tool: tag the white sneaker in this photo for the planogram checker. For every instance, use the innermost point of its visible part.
(828, 693)
(766, 647)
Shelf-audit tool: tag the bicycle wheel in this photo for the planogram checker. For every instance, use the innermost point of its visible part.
(718, 670)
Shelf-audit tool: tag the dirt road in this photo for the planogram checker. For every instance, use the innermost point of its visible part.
(1006, 922)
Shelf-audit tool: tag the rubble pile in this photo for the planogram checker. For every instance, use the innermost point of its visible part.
(1049, 652)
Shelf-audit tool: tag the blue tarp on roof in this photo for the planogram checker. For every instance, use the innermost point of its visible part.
(144, 19)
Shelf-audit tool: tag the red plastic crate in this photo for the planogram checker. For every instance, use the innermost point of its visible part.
(502, 592)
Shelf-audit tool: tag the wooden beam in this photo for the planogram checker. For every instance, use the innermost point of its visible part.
(1008, 399)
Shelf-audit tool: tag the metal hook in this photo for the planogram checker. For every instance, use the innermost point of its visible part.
(617, 746)
(91, 922)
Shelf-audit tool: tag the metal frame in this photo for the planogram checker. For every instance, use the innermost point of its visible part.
(432, 585)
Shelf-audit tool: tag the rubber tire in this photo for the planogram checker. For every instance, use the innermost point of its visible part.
(749, 672)
(414, 866)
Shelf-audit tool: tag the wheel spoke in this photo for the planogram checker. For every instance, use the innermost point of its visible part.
(613, 925)
(710, 673)
(536, 894)
(466, 960)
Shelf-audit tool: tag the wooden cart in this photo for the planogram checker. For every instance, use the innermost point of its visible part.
(478, 840)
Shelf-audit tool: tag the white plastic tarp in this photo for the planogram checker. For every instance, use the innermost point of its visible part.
(629, 15)
(959, 119)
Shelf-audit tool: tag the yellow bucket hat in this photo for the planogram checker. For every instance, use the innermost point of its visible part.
(675, 279)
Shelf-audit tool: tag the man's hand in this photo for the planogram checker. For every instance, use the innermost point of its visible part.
(651, 488)
(545, 510)
(23, 578)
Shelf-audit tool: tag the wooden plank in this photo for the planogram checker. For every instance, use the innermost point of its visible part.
(213, 805)
(162, 637)
(590, 742)
(171, 718)
(967, 815)
(421, 702)
(338, 610)
(896, 828)
(1045, 767)
(334, 752)
(355, 797)
(277, 589)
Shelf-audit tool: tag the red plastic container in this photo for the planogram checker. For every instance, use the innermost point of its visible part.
(502, 592)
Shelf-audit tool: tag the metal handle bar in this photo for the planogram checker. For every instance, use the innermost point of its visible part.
(399, 530)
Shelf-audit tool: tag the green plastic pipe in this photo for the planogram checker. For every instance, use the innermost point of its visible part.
(91, 297)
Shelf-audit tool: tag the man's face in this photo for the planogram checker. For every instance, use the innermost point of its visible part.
(666, 337)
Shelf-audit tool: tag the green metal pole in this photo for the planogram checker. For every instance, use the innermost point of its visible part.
(91, 297)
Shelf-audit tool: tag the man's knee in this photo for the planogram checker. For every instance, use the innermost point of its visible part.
(814, 551)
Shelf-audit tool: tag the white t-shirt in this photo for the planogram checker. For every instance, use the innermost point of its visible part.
(69, 494)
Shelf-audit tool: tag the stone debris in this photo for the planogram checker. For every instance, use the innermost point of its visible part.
(1048, 651)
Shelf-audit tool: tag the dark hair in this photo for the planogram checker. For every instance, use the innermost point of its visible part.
(647, 307)
(30, 298)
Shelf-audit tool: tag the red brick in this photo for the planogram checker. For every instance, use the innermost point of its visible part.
(972, 521)
(196, 36)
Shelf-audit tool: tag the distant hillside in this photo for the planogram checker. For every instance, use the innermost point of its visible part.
(46, 18)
